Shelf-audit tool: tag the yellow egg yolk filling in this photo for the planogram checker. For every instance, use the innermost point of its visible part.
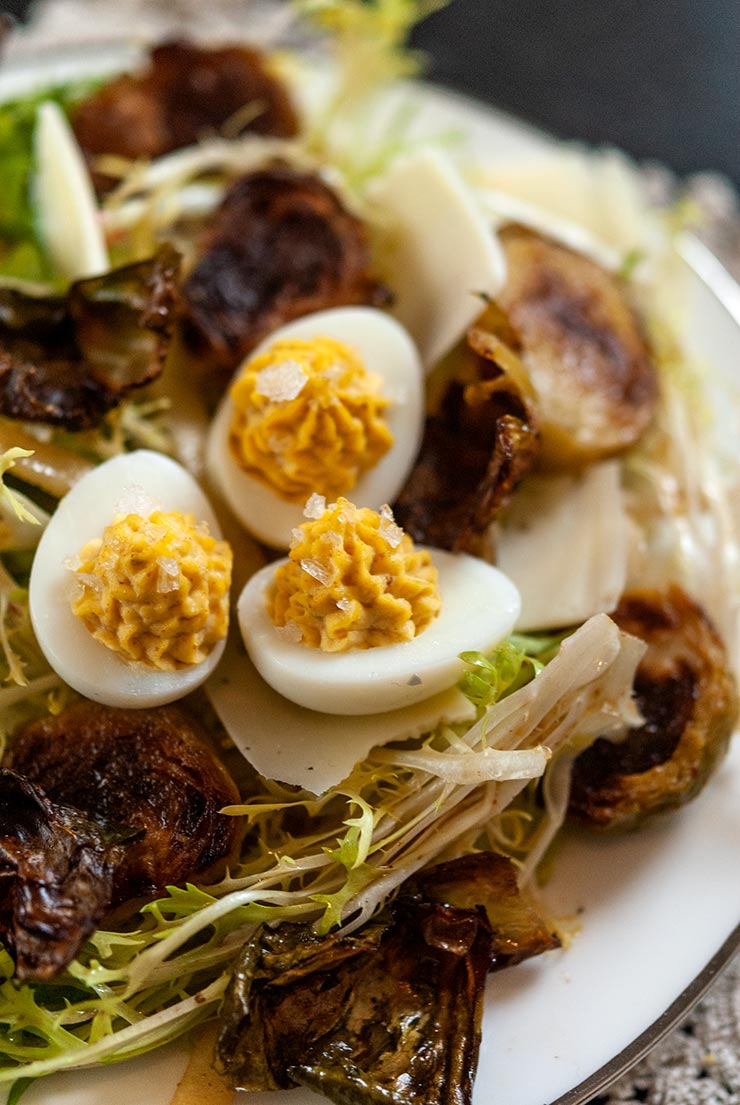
(308, 416)
(353, 580)
(155, 589)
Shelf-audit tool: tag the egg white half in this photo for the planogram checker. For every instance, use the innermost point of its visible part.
(387, 350)
(480, 606)
(139, 482)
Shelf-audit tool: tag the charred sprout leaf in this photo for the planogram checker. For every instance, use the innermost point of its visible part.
(477, 445)
(488, 880)
(148, 768)
(56, 876)
(68, 360)
(281, 245)
(390, 1013)
(187, 93)
(583, 348)
(395, 1018)
(686, 693)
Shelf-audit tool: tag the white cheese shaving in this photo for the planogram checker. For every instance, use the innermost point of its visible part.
(564, 544)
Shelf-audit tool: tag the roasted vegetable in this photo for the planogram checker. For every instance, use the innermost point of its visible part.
(187, 93)
(686, 693)
(56, 876)
(67, 360)
(583, 348)
(280, 245)
(146, 768)
(478, 443)
(390, 1013)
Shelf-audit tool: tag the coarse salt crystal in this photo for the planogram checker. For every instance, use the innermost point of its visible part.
(348, 516)
(388, 528)
(135, 500)
(315, 507)
(317, 571)
(344, 603)
(281, 382)
(290, 632)
(168, 576)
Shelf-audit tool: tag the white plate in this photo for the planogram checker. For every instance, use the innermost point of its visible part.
(657, 912)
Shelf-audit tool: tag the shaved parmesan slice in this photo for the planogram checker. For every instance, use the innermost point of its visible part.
(66, 208)
(308, 749)
(439, 255)
(595, 203)
(564, 544)
(504, 208)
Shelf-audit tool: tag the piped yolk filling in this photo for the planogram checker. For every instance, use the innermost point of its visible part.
(353, 580)
(308, 416)
(155, 590)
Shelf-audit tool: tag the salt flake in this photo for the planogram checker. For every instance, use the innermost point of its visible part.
(168, 575)
(388, 528)
(281, 382)
(290, 632)
(135, 500)
(315, 507)
(317, 571)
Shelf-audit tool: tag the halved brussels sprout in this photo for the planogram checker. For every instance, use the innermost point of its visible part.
(582, 345)
(686, 692)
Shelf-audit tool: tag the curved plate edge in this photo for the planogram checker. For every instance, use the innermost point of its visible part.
(707, 267)
(601, 1079)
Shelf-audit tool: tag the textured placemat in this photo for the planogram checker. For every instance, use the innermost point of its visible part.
(698, 1063)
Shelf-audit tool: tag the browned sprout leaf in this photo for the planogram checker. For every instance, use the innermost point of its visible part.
(56, 876)
(147, 768)
(686, 693)
(389, 1014)
(280, 246)
(518, 930)
(478, 443)
(188, 92)
(68, 360)
(583, 349)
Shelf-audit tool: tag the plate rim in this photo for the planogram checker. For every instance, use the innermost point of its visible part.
(705, 266)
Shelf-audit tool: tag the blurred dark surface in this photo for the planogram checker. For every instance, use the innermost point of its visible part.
(661, 78)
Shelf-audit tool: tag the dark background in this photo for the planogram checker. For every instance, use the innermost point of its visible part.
(661, 78)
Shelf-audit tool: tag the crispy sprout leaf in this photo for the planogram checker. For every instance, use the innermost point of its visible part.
(390, 1013)
(56, 876)
(67, 360)
(477, 445)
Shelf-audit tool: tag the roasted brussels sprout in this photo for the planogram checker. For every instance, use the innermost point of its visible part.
(186, 92)
(687, 695)
(146, 768)
(588, 361)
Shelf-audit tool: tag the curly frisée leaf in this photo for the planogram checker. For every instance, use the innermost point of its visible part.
(9, 498)
(511, 665)
(123, 996)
